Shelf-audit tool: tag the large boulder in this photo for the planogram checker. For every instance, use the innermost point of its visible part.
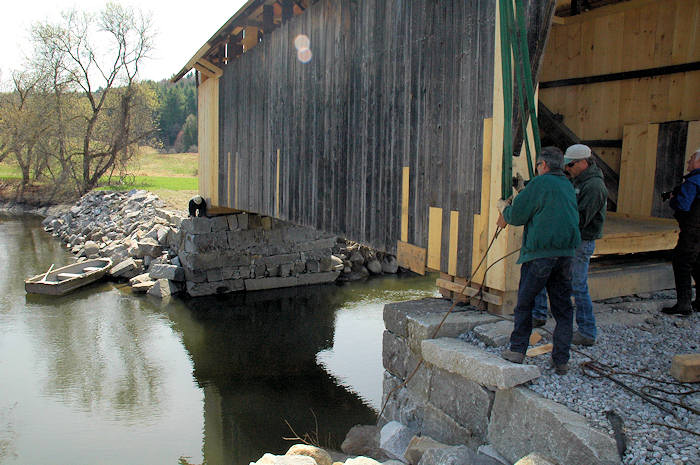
(363, 440)
(125, 269)
(163, 288)
(164, 271)
(562, 434)
(456, 455)
(269, 459)
(394, 439)
(319, 455)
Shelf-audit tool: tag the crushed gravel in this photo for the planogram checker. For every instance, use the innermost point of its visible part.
(643, 345)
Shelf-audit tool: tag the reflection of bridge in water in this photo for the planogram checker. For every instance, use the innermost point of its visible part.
(254, 356)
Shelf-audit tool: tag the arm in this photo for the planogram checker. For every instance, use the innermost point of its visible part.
(590, 201)
(523, 206)
(685, 197)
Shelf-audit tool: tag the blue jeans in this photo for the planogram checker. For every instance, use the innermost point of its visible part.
(554, 274)
(585, 320)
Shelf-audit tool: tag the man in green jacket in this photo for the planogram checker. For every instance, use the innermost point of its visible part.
(591, 196)
(547, 209)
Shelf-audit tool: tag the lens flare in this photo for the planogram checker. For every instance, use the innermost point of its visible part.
(302, 42)
(304, 55)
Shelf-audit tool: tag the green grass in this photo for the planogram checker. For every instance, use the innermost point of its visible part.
(155, 183)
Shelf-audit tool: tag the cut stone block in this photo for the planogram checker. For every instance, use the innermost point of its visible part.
(494, 334)
(468, 402)
(439, 425)
(560, 433)
(474, 364)
(124, 269)
(686, 368)
(142, 287)
(394, 439)
(163, 288)
(423, 326)
(397, 358)
(171, 272)
(395, 313)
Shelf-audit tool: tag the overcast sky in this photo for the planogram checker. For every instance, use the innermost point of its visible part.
(181, 28)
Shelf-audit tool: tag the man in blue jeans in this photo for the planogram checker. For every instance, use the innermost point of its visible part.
(547, 209)
(591, 197)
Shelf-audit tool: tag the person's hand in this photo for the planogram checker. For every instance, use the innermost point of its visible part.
(501, 223)
(502, 204)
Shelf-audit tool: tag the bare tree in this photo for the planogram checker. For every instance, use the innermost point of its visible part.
(97, 57)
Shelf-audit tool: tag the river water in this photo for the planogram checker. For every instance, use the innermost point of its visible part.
(103, 376)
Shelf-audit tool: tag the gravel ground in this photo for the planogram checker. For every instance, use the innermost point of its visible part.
(646, 347)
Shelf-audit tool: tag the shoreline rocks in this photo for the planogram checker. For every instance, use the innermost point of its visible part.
(201, 255)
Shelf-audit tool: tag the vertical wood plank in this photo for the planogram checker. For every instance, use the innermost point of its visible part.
(693, 140)
(454, 238)
(434, 237)
(404, 202)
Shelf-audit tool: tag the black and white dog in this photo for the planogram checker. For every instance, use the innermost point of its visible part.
(198, 206)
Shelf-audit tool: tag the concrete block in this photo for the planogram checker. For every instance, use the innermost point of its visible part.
(686, 368)
(394, 439)
(395, 314)
(423, 326)
(494, 334)
(474, 364)
(467, 402)
(560, 433)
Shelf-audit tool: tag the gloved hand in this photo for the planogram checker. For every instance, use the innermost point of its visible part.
(502, 204)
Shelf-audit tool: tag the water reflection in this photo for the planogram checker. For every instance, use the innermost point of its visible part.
(102, 376)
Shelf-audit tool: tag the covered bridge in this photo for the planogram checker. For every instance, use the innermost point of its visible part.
(383, 121)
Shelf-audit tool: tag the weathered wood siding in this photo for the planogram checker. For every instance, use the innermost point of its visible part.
(392, 84)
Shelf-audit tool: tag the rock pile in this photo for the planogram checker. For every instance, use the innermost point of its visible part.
(162, 252)
(360, 261)
(133, 229)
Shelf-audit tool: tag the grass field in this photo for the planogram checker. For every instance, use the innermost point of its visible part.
(173, 177)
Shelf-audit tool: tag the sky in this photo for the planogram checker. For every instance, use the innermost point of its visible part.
(181, 28)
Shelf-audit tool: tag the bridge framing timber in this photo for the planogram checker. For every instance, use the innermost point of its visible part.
(391, 133)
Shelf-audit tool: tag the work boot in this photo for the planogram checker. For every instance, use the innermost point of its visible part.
(511, 356)
(581, 340)
(561, 369)
(683, 306)
(537, 323)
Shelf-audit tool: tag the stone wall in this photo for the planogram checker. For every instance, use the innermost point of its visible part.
(463, 395)
(251, 252)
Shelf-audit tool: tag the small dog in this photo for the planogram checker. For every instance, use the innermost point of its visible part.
(198, 206)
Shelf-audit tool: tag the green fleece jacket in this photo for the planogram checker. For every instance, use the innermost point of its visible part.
(592, 197)
(547, 209)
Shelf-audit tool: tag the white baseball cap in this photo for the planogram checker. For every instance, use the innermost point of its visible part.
(577, 152)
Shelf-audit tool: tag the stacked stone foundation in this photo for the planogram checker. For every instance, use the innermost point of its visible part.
(463, 395)
(250, 252)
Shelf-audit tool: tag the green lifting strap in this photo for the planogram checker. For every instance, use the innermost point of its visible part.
(514, 41)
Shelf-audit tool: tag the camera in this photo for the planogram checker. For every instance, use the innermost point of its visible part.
(667, 195)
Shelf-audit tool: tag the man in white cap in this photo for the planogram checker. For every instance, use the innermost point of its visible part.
(591, 195)
(685, 202)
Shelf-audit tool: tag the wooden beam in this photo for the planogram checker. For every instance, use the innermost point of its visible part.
(411, 256)
(268, 22)
(434, 237)
(404, 202)
(468, 291)
(287, 10)
(625, 75)
(454, 239)
(208, 68)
